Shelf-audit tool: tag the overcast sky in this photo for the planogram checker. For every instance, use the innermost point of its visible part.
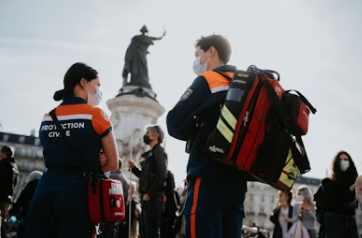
(314, 45)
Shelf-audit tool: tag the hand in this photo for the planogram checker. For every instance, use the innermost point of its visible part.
(137, 213)
(278, 205)
(103, 159)
(288, 220)
(131, 164)
(146, 197)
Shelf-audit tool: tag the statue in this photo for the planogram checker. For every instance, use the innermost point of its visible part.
(136, 61)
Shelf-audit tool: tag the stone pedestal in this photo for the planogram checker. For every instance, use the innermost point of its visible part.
(130, 114)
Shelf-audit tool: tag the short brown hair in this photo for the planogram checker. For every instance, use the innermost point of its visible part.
(220, 43)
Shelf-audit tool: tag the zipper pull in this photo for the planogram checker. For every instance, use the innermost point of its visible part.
(246, 118)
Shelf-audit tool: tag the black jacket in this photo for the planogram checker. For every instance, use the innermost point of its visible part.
(20, 208)
(335, 197)
(152, 175)
(274, 218)
(9, 173)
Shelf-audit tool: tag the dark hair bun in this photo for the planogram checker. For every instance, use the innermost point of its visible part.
(59, 95)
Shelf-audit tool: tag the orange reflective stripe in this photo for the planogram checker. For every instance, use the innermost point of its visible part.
(216, 81)
(194, 206)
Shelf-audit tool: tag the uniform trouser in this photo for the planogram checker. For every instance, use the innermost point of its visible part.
(151, 217)
(59, 208)
(340, 226)
(213, 209)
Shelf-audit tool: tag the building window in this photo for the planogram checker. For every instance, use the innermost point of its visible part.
(33, 153)
(17, 151)
(6, 137)
(272, 199)
(251, 197)
(39, 154)
(37, 141)
(262, 197)
(262, 210)
(21, 139)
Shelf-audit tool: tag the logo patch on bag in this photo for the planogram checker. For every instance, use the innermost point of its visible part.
(186, 95)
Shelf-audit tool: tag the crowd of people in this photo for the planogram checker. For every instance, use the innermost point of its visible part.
(54, 203)
(333, 206)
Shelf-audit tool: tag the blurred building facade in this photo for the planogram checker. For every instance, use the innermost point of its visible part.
(28, 154)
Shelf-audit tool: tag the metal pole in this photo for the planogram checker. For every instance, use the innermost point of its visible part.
(129, 194)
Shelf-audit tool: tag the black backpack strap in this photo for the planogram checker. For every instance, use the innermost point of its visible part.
(74, 150)
(301, 96)
(224, 74)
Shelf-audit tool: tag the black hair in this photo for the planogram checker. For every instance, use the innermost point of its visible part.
(220, 43)
(72, 78)
(349, 176)
(8, 151)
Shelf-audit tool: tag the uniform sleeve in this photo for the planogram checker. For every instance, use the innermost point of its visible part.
(180, 121)
(101, 123)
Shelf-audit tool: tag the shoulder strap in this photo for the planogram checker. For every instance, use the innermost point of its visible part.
(223, 74)
(64, 135)
(301, 96)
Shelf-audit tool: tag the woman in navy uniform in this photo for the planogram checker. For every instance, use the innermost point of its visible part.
(60, 205)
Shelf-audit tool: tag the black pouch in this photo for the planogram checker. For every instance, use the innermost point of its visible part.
(272, 154)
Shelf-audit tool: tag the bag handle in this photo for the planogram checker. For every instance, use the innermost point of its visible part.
(268, 72)
(304, 100)
(304, 166)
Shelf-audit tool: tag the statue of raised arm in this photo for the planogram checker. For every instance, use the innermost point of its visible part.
(136, 60)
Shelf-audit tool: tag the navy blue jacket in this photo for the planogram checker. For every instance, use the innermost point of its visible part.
(193, 117)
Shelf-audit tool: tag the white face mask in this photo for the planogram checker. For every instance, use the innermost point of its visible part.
(94, 98)
(198, 67)
(344, 165)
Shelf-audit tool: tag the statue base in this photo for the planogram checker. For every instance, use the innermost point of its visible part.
(130, 114)
(138, 91)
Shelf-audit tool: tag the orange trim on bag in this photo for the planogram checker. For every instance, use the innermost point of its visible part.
(193, 209)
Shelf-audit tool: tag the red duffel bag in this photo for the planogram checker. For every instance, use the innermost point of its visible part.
(106, 200)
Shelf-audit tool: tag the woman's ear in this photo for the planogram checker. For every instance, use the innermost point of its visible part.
(83, 82)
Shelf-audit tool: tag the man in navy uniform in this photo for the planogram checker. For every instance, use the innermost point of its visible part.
(214, 206)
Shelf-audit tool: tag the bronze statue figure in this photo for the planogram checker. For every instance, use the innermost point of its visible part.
(136, 60)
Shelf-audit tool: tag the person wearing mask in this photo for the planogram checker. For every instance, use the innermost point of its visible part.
(304, 210)
(9, 173)
(335, 200)
(152, 178)
(21, 205)
(192, 119)
(282, 215)
(60, 204)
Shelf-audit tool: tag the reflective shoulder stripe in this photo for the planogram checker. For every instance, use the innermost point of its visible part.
(70, 117)
(216, 81)
(219, 89)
